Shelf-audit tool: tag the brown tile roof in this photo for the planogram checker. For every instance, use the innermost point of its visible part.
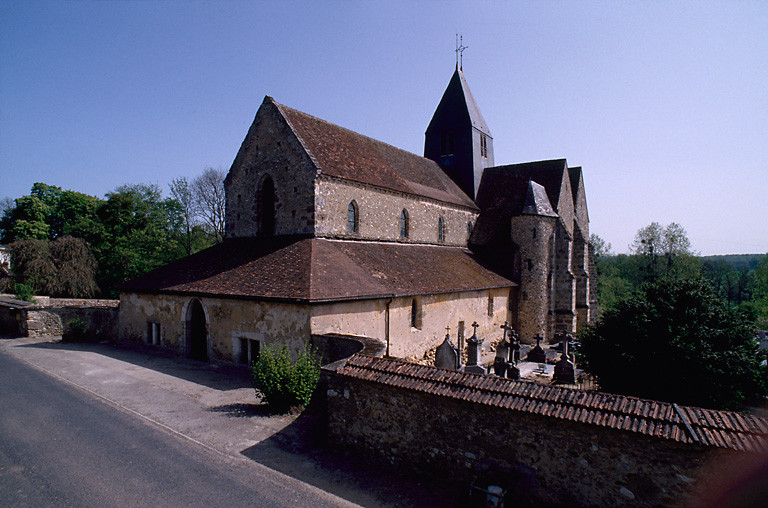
(314, 269)
(692, 425)
(343, 153)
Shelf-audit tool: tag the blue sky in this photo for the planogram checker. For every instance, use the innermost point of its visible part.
(663, 104)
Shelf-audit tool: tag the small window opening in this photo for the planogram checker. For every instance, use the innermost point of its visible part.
(529, 263)
(153, 333)
(447, 143)
(440, 229)
(415, 314)
(353, 218)
(534, 232)
(470, 227)
(490, 305)
(249, 351)
(404, 226)
(483, 146)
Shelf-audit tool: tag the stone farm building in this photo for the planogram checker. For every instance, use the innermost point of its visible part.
(331, 232)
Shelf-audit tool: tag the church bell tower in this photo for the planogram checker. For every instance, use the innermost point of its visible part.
(458, 138)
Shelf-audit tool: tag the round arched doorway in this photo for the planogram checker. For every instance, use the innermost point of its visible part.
(197, 331)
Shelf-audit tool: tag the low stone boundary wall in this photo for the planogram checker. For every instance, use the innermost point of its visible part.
(335, 347)
(51, 317)
(459, 433)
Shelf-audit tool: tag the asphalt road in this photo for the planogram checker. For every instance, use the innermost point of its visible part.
(60, 446)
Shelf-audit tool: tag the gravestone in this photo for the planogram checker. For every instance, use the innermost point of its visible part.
(446, 356)
(502, 348)
(474, 344)
(537, 354)
(514, 347)
(565, 370)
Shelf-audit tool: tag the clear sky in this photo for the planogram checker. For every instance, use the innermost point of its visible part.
(663, 104)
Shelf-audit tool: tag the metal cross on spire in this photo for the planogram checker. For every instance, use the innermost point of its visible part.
(460, 47)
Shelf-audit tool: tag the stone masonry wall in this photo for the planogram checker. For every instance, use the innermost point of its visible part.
(534, 298)
(50, 317)
(564, 282)
(543, 461)
(367, 318)
(379, 214)
(228, 320)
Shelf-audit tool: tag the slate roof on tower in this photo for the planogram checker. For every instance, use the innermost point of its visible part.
(458, 97)
(343, 153)
(503, 191)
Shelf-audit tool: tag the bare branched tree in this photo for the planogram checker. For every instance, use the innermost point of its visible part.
(182, 192)
(209, 202)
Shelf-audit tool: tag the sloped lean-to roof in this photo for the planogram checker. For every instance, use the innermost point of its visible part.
(691, 425)
(317, 270)
(342, 153)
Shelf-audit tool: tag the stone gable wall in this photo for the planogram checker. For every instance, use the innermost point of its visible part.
(379, 214)
(542, 461)
(270, 148)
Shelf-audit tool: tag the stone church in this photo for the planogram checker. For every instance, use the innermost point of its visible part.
(331, 232)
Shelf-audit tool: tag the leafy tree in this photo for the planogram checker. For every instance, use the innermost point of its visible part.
(27, 219)
(139, 234)
(75, 215)
(62, 267)
(675, 341)
(75, 268)
(33, 266)
(600, 246)
(666, 251)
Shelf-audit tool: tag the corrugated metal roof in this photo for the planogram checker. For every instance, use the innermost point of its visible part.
(684, 424)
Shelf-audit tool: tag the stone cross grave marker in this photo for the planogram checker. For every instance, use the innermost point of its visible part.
(446, 356)
(474, 344)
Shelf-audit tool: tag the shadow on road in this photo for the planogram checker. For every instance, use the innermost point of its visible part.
(214, 376)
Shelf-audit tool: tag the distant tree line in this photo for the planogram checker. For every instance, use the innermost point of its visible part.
(66, 243)
(665, 252)
(678, 327)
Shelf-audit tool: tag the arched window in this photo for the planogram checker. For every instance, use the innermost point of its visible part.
(440, 229)
(415, 314)
(404, 226)
(265, 207)
(353, 218)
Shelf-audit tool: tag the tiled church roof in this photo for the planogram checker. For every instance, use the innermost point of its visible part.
(315, 270)
(503, 190)
(343, 153)
(663, 420)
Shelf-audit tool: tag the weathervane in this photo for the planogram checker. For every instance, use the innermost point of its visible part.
(460, 47)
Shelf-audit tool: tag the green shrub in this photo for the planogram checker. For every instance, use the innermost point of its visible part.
(75, 329)
(283, 383)
(23, 292)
